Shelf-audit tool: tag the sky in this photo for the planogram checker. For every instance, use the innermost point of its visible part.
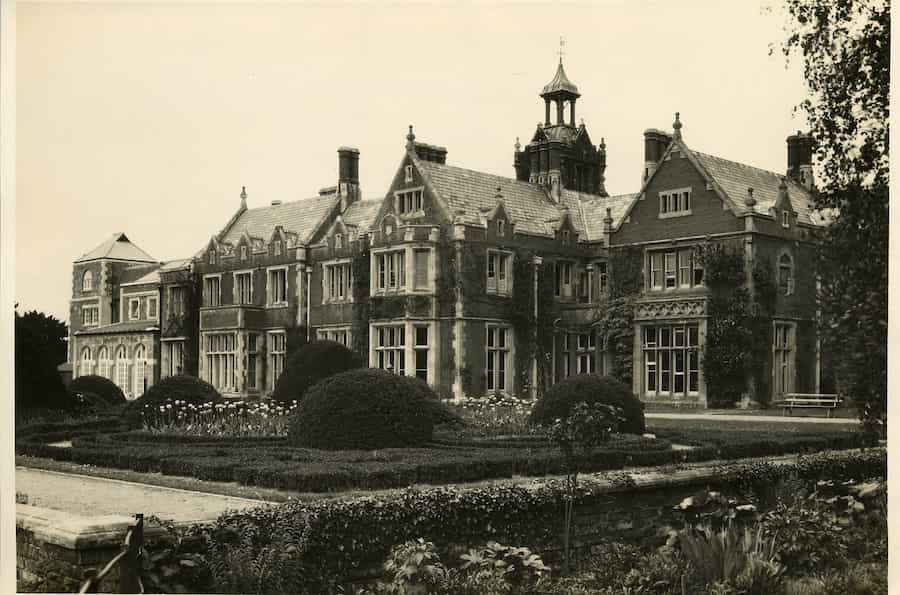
(147, 118)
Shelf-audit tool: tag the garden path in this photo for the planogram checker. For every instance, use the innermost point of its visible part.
(93, 496)
(752, 418)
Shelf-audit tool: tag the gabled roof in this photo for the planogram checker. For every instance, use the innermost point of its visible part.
(594, 212)
(361, 214)
(559, 83)
(117, 247)
(302, 217)
(470, 195)
(734, 179)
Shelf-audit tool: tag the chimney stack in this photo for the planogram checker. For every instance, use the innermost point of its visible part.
(348, 176)
(655, 144)
(800, 149)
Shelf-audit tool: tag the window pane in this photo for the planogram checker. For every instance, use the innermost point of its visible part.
(421, 335)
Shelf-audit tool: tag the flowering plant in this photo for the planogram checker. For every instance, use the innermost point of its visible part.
(232, 419)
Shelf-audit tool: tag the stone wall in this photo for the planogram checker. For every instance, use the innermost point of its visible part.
(57, 550)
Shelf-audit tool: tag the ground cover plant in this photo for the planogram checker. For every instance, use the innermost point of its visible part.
(404, 540)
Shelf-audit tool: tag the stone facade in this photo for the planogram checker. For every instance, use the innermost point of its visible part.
(422, 280)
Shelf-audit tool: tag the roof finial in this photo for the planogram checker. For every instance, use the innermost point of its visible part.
(244, 196)
(518, 145)
(602, 143)
(411, 137)
(562, 44)
(749, 200)
(676, 126)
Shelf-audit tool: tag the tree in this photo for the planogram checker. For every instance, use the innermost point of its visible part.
(39, 349)
(845, 49)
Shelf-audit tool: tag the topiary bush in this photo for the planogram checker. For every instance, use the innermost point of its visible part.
(182, 388)
(102, 387)
(558, 402)
(311, 363)
(364, 409)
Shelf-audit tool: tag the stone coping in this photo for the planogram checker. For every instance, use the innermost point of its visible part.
(76, 532)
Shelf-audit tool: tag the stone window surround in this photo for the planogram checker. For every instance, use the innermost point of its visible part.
(409, 270)
(409, 347)
(327, 298)
(508, 271)
(681, 212)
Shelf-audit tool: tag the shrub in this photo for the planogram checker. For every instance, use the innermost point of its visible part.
(88, 402)
(174, 388)
(98, 385)
(363, 409)
(558, 402)
(311, 363)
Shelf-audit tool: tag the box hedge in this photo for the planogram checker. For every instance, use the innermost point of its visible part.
(310, 364)
(559, 400)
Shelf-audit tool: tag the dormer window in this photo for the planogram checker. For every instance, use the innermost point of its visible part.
(338, 241)
(501, 228)
(785, 219)
(212, 257)
(675, 203)
(277, 247)
(410, 202)
(243, 252)
(409, 173)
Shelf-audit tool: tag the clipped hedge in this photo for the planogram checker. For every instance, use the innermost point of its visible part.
(275, 464)
(558, 402)
(364, 409)
(102, 387)
(312, 363)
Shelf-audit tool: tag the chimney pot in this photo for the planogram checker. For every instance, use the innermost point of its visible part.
(276, 202)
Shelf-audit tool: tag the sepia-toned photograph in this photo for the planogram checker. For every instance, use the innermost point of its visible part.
(446, 298)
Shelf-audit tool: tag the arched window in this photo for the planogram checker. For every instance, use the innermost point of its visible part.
(105, 363)
(140, 370)
(87, 281)
(122, 370)
(785, 274)
(87, 362)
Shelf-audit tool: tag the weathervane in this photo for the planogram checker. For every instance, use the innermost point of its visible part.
(562, 43)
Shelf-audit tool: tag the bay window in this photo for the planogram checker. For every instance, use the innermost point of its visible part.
(671, 360)
(390, 348)
(220, 356)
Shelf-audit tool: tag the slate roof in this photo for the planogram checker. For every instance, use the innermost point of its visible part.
(302, 217)
(119, 247)
(594, 212)
(734, 179)
(151, 277)
(362, 213)
(175, 265)
(470, 195)
(134, 326)
(560, 82)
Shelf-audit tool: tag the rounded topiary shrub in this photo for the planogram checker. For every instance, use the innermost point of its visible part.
(364, 409)
(181, 388)
(311, 363)
(557, 402)
(102, 387)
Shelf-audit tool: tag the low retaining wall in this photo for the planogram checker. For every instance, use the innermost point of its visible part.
(57, 550)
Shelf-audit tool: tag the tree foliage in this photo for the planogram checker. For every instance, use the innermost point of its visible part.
(845, 49)
(39, 349)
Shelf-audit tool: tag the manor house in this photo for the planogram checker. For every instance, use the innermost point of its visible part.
(473, 282)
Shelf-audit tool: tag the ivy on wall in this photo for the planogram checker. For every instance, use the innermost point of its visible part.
(616, 322)
(739, 330)
(534, 336)
(360, 265)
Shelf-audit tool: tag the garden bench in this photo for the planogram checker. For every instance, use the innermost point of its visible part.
(793, 401)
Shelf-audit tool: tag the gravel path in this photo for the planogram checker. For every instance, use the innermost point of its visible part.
(92, 496)
(753, 418)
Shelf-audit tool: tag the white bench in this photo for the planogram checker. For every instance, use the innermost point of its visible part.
(793, 401)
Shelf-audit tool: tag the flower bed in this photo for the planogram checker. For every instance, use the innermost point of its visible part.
(235, 418)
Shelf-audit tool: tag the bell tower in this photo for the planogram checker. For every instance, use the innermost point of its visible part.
(560, 154)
